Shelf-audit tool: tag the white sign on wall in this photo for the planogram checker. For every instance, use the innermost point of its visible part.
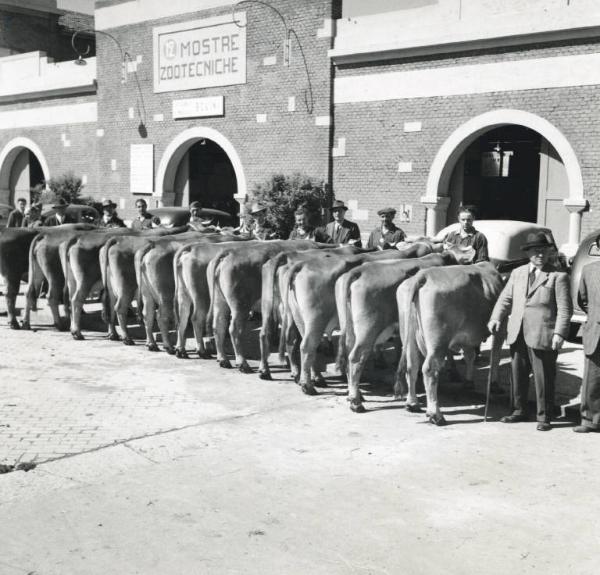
(200, 54)
(198, 107)
(141, 168)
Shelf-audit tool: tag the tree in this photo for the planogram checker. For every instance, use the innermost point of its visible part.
(283, 195)
(68, 186)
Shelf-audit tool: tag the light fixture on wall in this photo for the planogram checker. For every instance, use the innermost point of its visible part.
(125, 58)
(287, 41)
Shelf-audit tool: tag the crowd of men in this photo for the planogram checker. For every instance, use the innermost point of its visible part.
(536, 300)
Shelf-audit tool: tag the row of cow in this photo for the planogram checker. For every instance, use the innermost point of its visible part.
(304, 289)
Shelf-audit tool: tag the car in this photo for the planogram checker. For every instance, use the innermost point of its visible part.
(505, 238)
(587, 253)
(5, 210)
(175, 216)
(81, 213)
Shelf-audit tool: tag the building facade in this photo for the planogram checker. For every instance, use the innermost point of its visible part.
(421, 105)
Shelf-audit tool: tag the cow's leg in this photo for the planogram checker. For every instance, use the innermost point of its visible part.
(413, 364)
(122, 304)
(357, 358)
(292, 342)
(379, 360)
(165, 321)
(308, 354)
(149, 313)
(109, 314)
(82, 288)
(30, 305)
(265, 349)
(470, 354)
(184, 311)
(431, 372)
(199, 327)
(54, 299)
(12, 290)
(281, 350)
(237, 329)
(221, 315)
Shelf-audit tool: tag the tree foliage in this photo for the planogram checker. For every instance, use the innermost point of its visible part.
(282, 195)
(68, 186)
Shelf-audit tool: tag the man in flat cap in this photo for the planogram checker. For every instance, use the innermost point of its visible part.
(387, 235)
(537, 302)
(304, 230)
(341, 230)
(109, 217)
(60, 215)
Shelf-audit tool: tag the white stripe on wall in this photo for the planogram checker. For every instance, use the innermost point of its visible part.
(49, 116)
(145, 10)
(558, 72)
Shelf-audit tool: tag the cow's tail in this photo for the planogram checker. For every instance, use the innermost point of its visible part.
(33, 273)
(139, 275)
(178, 279)
(413, 321)
(289, 290)
(270, 289)
(212, 276)
(344, 309)
(65, 262)
(104, 263)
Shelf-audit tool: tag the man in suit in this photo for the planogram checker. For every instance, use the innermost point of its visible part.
(60, 216)
(109, 217)
(303, 229)
(589, 300)
(387, 235)
(341, 230)
(15, 218)
(538, 300)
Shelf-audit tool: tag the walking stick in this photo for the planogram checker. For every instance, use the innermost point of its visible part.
(489, 380)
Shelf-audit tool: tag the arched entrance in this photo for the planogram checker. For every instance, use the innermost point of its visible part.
(201, 165)
(22, 167)
(513, 165)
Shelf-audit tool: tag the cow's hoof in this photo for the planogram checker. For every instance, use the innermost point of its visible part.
(266, 375)
(496, 388)
(225, 363)
(77, 335)
(245, 368)
(319, 382)
(14, 324)
(113, 337)
(308, 389)
(437, 419)
(170, 350)
(296, 377)
(181, 353)
(60, 327)
(413, 408)
(128, 341)
(25, 325)
(356, 406)
(152, 347)
(204, 354)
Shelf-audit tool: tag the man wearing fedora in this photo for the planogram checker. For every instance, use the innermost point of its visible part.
(588, 297)
(60, 215)
(253, 224)
(387, 235)
(109, 217)
(537, 302)
(341, 230)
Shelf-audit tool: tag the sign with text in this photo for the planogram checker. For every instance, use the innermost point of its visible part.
(141, 168)
(198, 107)
(200, 54)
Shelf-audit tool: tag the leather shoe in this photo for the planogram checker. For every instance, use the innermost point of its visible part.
(585, 429)
(543, 426)
(514, 418)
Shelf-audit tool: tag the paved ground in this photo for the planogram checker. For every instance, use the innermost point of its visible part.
(148, 464)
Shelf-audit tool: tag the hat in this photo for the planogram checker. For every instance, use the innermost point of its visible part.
(338, 205)
(256, 208)
(384, 211)
(108, 204)
(537, 240)
(195, 206)
(61, 203)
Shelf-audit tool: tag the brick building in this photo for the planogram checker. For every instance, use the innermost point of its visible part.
(421, 105)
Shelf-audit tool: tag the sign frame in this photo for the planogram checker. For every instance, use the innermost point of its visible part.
(182, 84)
(203, 107)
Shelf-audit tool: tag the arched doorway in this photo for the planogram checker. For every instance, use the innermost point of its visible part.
(201, 165)
(513, 165)
(22, 167)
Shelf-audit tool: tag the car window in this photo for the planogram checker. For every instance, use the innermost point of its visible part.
(594, 250)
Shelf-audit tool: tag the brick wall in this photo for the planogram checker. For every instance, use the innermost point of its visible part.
(375, 141)
(287, 142)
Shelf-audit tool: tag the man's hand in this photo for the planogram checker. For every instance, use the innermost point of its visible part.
(494, 326)
(557, 341)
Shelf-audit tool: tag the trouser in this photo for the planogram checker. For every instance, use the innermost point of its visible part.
(590, 390)
(542, 363)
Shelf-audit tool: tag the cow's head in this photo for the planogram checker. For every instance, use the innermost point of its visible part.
(463, 255)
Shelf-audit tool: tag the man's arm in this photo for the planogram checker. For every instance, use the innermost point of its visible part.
(504, 304)
(481, 254)
(564, 305)
(582, 295)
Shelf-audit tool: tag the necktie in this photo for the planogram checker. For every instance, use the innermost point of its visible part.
(531, 278)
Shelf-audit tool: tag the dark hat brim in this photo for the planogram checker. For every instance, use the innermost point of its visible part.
(531, 245)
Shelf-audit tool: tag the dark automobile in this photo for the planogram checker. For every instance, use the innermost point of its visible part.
(173, 217)
(81, 213)
(587, 253)
(5, 209)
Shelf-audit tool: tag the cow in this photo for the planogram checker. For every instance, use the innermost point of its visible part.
(82, 256)
(45, 263)
(310, 293)
(156, 282)
(14, 263)
(234, 280)
(366, 305)
(445, 309)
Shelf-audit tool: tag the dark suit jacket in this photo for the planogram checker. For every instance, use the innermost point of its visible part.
(541, 311)
(385, 241)
(52, 221)
(15, 219)
(348, 231)
(588, 297)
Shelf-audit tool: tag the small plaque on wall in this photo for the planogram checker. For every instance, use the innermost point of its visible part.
(141, 169)
(198, 107)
